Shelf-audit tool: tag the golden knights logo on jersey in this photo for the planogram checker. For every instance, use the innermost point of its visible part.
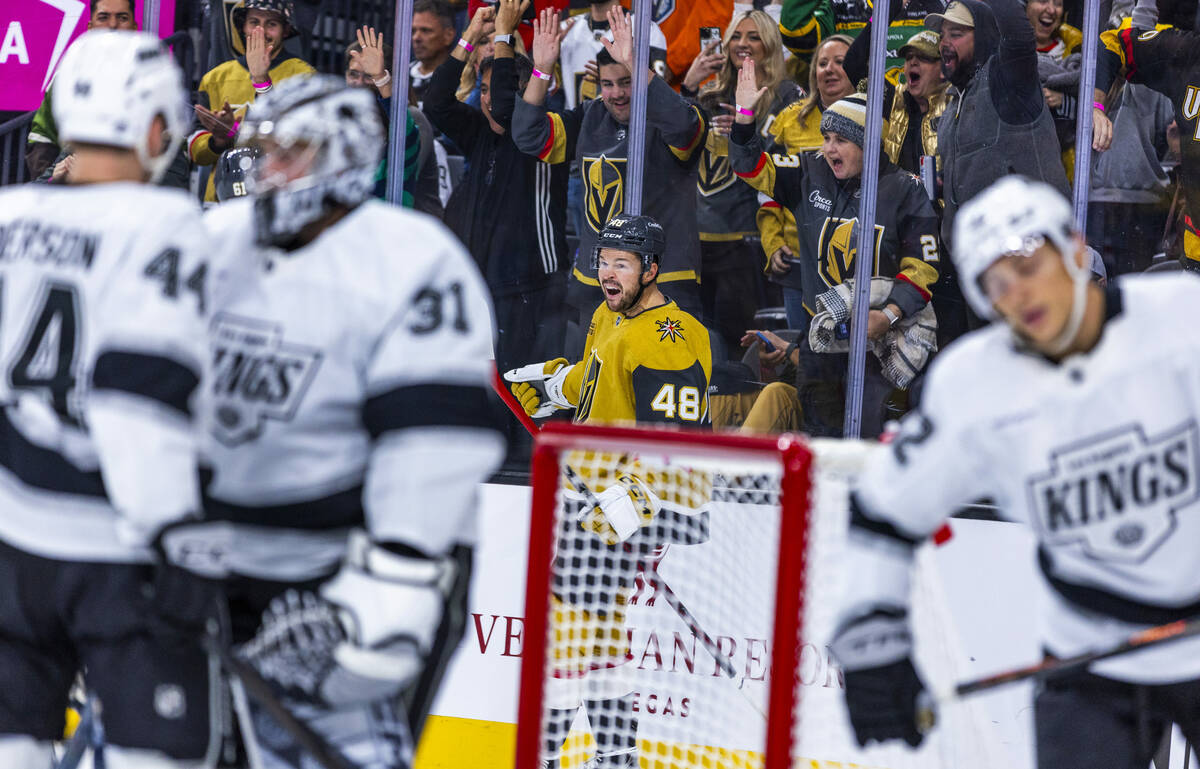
(1191, 109)
(256, 376)
(604, 184)
(587, 390)
(1117, 493)
(715, 173)
(838, 246)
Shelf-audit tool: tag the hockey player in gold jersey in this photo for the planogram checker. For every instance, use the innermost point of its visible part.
(645, 360)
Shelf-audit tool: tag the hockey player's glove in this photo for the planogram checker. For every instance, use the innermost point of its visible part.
(364, 638)
(538, 387)
(884, 694)
(624, 507)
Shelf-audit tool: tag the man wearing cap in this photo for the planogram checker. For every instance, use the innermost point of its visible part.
(912, 108)
(997, 122)
(229, 88)
(823, 191)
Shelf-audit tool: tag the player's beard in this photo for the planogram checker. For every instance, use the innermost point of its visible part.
(628, 298)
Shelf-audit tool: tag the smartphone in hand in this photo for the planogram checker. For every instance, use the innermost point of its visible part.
(708, 36)
(766, 342)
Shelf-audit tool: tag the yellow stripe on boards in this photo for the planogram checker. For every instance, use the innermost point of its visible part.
(465, 743)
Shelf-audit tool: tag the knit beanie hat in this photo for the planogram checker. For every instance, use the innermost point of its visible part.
(847, 117)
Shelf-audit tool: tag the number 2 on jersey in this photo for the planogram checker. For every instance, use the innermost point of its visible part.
(50, 344)
(687, 404)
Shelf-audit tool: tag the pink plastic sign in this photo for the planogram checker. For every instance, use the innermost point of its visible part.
(34, 34)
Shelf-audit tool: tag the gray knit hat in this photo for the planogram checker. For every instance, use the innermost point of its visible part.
(847, 117)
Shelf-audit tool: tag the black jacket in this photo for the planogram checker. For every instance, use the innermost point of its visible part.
(826, 210)
(507, 210)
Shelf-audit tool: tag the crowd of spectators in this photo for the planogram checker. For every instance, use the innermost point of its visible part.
(518, 138)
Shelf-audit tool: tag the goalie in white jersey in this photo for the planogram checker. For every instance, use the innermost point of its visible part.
(352, 345)
(102, 344)
(1078, 413)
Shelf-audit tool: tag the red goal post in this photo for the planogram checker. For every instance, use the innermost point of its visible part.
(786, 462)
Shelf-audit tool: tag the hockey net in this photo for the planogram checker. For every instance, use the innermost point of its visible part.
(699, 639)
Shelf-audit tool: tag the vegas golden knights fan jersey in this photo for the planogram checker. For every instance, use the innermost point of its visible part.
(675, 132)
(653, 367)
(1098, 455)
(350, 389)
(102, 341)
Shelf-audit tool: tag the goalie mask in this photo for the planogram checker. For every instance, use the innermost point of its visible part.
(111, 86)
(320, 145)
(1017, 216)
(640, 235)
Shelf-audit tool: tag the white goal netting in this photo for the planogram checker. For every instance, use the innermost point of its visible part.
(660, 626)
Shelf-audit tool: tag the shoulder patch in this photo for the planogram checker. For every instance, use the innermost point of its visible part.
(669, 329)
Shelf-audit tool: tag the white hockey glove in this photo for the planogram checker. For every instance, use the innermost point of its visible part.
(884, 694)
(538, 387)
(624, 507)
(367, 635)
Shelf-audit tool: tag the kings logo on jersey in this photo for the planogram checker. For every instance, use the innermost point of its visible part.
(604, 179)
(1117, 493)
(256, 376)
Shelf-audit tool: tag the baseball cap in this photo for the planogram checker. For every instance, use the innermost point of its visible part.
(956, 12)
(924, 44)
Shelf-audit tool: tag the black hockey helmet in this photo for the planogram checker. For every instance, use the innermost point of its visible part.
(233, 172)
(638, 234)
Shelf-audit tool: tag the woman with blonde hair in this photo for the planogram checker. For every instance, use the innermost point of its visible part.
(731, 285)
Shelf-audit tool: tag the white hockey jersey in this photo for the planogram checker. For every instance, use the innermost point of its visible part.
(350, 388)
(581, 45)
(102, 346)
(1098, 454)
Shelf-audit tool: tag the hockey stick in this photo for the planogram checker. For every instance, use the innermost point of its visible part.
(673, 600)
(1172, 631)
(1055, 668)
(505, 395)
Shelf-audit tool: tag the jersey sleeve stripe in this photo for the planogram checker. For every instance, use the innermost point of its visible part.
(342, 509)
(161, 379)
(860, 520)
(758, 169)
(685, 152)
(44, 468)
(555, 148)
(428, 405)
(924, 272)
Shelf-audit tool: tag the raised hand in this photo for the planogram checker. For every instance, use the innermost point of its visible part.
(258, 56)
(547, 39)
(219, 123)
(483, 17)
(370, 59)
(707, 62)
(748, 92)
(621, 47)
(509, 14)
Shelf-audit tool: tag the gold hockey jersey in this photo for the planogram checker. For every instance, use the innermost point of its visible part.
(653, 367)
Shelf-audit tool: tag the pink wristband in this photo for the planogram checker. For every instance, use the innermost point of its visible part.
(743, 111)
(541, 75)
(1098, 105)
(233, 130)
(264, 84)
(466, 46)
